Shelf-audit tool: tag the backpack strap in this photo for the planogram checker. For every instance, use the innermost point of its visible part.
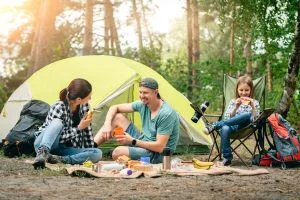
(272, 145)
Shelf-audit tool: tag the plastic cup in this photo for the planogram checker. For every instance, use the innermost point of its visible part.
(118, 131)
(145, 160)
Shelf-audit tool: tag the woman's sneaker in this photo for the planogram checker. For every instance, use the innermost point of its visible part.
(54, 159)
(210, 127)
(226, 162)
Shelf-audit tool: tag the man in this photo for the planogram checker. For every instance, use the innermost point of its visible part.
(160, 125)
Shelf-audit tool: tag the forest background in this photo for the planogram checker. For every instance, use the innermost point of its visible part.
(210, 38)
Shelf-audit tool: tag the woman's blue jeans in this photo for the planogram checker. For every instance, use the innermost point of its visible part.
(229, 126)
(71, 155)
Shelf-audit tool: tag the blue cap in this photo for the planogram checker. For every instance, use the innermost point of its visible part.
(149, 83)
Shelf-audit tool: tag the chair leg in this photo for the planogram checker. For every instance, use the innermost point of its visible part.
(215, 145)
(242, 143)
(233, 150)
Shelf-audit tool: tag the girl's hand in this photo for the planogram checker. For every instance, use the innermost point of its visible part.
(124, 139)
(238, 102)
(84, 123)
(251, 102)
(248, 100)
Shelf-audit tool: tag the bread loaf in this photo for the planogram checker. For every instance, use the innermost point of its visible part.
(142, 167)
(245, 101)
(131, 163)
(123, 159)
(139, 166)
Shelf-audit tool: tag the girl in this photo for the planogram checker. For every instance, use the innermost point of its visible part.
(240, 112)
(67, 132)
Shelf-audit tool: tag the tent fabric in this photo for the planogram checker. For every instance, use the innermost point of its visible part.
(12, 108)
(114, 80)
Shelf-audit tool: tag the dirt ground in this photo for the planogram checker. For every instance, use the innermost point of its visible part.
(18, 180)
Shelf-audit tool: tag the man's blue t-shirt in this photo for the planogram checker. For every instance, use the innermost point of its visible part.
(166, 122)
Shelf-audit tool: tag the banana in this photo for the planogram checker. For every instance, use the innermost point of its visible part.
(201, 165)
(88, 164)
(90, 114)
(198, 167)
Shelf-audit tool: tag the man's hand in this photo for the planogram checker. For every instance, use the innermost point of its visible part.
(125, 139)
(106, 131)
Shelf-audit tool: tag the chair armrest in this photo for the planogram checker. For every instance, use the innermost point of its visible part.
(213, 117)
(263, 116)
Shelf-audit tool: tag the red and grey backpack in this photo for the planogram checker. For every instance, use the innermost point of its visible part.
(286, 140)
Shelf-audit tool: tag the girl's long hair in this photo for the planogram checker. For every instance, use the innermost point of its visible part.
(77, 88)
(244, 79)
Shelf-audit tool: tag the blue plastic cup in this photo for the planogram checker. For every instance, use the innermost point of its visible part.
(145, 159)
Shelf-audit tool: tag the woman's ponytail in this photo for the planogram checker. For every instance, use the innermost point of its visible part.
(63, 95)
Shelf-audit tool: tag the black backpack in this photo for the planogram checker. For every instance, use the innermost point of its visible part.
(21, 137)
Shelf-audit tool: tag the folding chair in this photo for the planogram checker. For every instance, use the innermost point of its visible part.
(256, 128)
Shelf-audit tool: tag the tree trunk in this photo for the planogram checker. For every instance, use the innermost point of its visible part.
(196, 44)
(269, 75)
(247, 54)
(232, 29)
(195, 32)
(111, 38)
(267, 55)
(146, 25)
(106, 26)
(43, 36)
(292, 73)
(88, 28)
(189, 48)
(114, 33)
(136, 16)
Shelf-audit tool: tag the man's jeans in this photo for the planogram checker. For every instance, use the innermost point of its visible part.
(229, 126)
(71, 155)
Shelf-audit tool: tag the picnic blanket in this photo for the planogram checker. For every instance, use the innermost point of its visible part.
(111, 174)
(218, 170)
(157, 171)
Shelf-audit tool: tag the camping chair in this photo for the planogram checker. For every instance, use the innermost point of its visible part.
(256, 128)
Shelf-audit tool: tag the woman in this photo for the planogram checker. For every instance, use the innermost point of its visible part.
(67, 132)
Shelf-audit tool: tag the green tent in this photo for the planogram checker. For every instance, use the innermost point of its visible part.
(114, 80)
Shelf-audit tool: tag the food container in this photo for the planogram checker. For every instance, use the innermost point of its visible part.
(97, 167)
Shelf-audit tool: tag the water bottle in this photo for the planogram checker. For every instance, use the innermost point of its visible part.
(199, 112)
(175, 162)
(111, 166)
(126, 172)
(166, 158)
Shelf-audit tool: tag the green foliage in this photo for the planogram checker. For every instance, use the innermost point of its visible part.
(3, 96)
(175, 71)
(210, 80)
(270, 24)
(12, 82)
(150, 57)
(131, 53)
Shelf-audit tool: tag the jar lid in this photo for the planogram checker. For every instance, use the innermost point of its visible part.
(167, 151)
